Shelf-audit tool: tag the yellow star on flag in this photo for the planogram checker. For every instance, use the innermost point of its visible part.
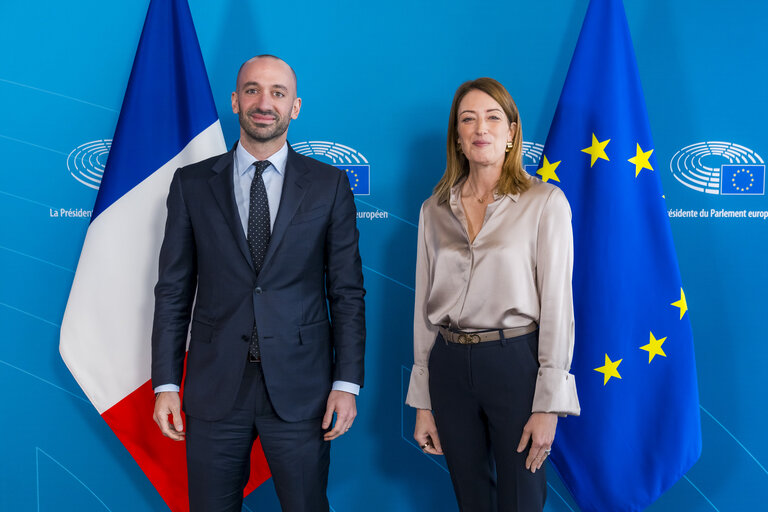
(682, 304)
(654, 348)
(641, 160)
(596, 150)
(547, 171)
(609, 369)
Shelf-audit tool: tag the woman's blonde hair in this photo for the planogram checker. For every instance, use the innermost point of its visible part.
(513, 177)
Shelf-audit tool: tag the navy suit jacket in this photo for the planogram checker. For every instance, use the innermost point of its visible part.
(307, 301)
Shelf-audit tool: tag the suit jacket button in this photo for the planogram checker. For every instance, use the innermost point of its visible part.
(258, 290)
(245, 337)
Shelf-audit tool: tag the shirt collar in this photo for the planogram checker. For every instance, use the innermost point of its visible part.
(244, 160)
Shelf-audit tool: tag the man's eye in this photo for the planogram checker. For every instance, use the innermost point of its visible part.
(279, 94)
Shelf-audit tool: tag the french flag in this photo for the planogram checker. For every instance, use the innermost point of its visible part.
(168, 120)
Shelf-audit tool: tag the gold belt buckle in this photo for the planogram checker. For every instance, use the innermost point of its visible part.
(468, 339)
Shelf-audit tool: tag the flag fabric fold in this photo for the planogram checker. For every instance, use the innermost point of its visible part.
(168, 119)
(639, 430)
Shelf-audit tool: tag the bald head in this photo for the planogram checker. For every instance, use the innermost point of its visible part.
(265, 101)
(252, 60)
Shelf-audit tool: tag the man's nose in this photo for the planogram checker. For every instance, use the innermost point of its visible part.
(264, 102)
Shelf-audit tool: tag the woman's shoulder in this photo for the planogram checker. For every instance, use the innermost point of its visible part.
(431, 205)
(434, 212)
(541, 191)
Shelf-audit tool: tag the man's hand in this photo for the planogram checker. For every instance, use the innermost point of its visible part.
(343, 404)
(168, 403)
(540, 431)
(425, 432)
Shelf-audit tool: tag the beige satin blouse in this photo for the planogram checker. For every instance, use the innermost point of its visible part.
(517, 270)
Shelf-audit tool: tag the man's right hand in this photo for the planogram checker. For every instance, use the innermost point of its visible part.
(168, 403)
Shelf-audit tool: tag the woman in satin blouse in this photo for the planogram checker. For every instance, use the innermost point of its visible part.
(493, 320)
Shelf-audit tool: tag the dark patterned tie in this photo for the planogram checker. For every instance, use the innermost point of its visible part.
(258, 237)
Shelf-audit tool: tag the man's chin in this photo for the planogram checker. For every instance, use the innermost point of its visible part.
(264, 135)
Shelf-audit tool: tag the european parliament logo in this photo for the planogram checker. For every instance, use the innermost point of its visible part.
(342, 157)
(720, 168)
(86, 162)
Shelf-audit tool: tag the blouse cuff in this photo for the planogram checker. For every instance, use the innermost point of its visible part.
(418, 388)
(556, 392)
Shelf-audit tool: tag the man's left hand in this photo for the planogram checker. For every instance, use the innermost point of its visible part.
(343, 404)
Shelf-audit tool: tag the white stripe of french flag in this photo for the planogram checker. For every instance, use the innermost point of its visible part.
(168, 120)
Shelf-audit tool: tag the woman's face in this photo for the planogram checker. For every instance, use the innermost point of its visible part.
(483, 129)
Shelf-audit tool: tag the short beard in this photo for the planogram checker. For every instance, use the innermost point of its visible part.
(278, 129)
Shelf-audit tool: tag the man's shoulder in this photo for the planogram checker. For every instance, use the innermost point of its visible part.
(204, 168)
(316, 168)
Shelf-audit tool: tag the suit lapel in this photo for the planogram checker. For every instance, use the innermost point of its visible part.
(223, 188)
(295, 186)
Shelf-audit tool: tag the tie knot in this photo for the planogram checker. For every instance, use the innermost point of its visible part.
(260, 166)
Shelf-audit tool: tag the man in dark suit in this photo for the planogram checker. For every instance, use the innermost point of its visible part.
(262, 242)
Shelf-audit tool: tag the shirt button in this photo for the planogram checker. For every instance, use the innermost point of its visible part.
(258, 290)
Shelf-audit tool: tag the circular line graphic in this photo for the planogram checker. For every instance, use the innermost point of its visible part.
(87, 161)
(337, 153)
(349, 160)
(532, 153)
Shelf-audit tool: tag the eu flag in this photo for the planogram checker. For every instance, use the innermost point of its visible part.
(359, 178)
(742, 179)
(639, 430)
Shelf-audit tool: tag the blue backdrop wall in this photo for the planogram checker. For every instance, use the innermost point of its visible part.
(378, 78)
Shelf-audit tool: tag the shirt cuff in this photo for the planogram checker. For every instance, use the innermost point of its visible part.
(349, 387)
(418, 388)
(166, 387)
(556, 393)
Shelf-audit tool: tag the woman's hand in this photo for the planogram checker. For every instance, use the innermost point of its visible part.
(425, 432)
(540, 432)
